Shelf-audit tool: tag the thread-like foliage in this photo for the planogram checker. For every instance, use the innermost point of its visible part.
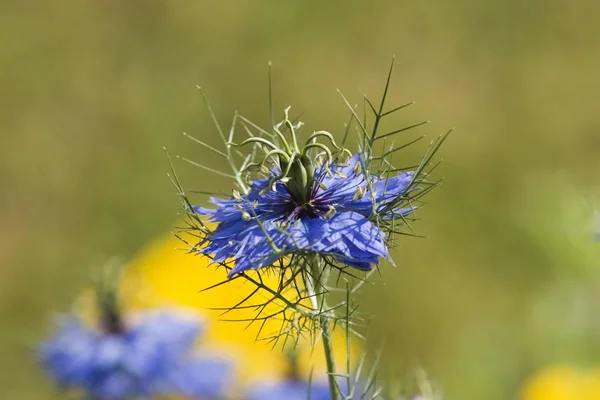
(313, 214)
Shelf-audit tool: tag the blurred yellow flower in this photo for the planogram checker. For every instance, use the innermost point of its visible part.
(164, 274)
(563, 382)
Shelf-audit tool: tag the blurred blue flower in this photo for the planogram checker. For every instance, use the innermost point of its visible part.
(289, 390)
(199, 378)
(332, 217)
(150, 355)
(297, 389)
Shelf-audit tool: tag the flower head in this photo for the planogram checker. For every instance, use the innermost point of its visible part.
(298, 389)
(562, 382)
(289, 390)
(149, 355)
(337, 216)
(199, 377)
(295, 389)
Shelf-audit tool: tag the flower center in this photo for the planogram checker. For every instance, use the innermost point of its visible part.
(111, 319)
(296, 163)
(300, 179)
(309, 206)
(112, 323)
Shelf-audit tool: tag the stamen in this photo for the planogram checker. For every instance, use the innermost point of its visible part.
(330, 212)
(359, 194)
(246, 216)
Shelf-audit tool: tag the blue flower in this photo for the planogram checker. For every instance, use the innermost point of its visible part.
(289, 390)
(150, 355)
(339, 215)
(199, 378)
(297, 389)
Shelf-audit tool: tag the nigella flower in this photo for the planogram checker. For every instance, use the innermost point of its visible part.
(289, 390)
(145, 356)
(298, 389)
(334, 209)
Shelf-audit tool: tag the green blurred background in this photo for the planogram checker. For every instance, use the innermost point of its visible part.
(507, 280)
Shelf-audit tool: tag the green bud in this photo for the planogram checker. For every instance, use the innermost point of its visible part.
(310, 168)
(301, 177)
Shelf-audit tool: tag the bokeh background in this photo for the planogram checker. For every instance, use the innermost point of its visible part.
(506, 282)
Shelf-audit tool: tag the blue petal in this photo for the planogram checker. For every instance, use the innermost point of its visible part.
(359, 232)
(289, 390)
(293, 389)
(205, 212)
(349, 169)
(340, 190)
(348, 236)
(200, 377)
(116, 386)
(393, 186)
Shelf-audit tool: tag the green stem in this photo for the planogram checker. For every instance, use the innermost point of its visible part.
(312, 278)
(329, 357)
